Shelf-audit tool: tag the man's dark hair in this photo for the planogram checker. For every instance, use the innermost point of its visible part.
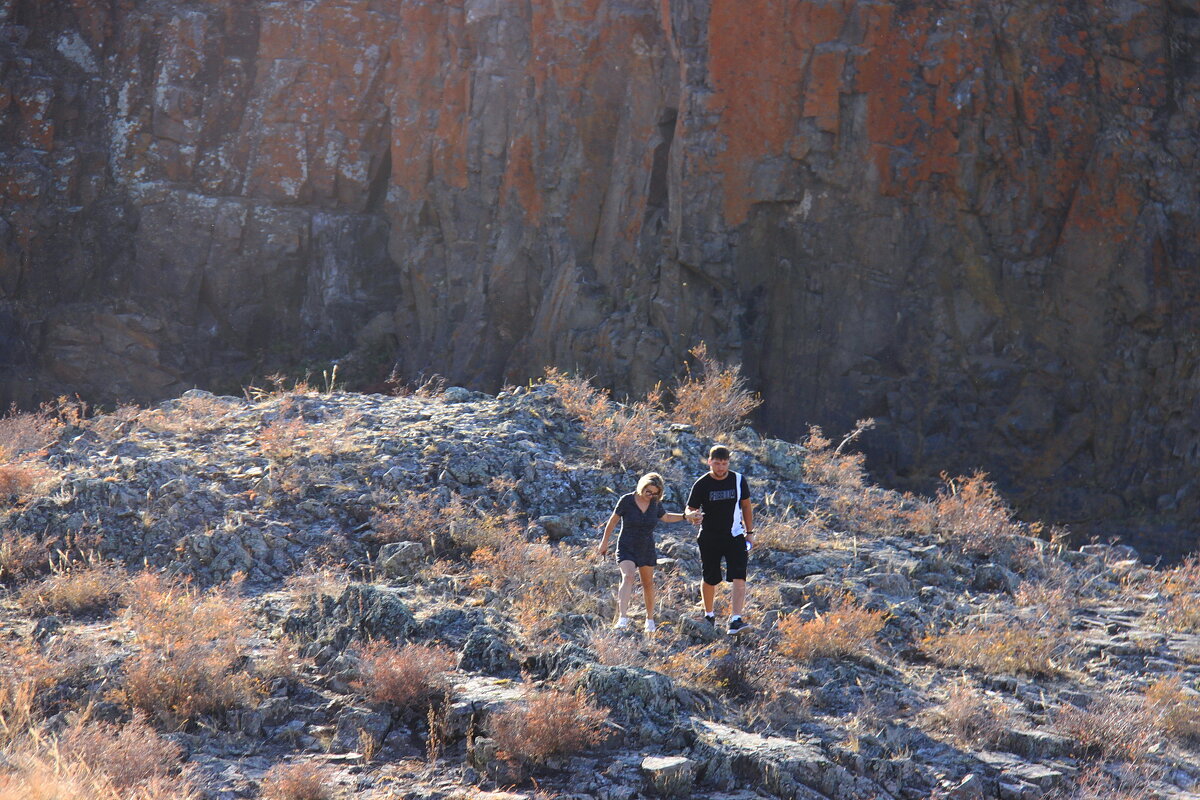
(720, 452)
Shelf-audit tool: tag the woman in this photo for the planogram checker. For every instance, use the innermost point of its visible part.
(639, 514)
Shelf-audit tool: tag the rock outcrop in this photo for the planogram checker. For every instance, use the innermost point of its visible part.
(976, 222)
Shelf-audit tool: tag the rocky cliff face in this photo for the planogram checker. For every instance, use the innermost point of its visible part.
(975, 221)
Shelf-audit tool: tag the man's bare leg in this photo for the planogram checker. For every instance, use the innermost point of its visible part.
(708, 594)
(738, 599)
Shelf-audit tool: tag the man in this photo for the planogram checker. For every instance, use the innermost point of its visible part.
(726, 532)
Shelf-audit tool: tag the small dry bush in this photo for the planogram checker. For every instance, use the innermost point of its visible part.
(1117, 725)
(452, 528)
(28, 675)
(187, 415)
(409, 677)
(22, 433)
(550, 723)
(974, 717)
(74, 589)
(301, 781)
(623, 435)
(22, 556)
(788, 533)
(734, 671)
(1181, 587)
(970, 515)
(189, 647)
(999, 647)
(42, 774)
(847, 629)
(22, 481)
(130, 756)
(1096, 783)
(1176, 709)
(283, 440)
(713, 398)
(829, 466)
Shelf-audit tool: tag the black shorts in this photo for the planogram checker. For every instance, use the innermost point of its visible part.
(730, 548)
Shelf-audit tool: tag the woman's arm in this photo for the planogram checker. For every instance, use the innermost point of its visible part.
(602, 548)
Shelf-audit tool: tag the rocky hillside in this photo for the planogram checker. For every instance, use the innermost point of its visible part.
(973, 221)
(309, 595)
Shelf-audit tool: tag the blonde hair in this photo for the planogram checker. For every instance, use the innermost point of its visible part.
(651, 478)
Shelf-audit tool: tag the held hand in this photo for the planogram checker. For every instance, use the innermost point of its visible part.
(602, 548)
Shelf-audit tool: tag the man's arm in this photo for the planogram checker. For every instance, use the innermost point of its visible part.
(748, 519)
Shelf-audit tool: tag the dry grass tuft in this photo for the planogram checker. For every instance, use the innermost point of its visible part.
(847, 629)
(75, 589)
(714, 398)
(190, 645)
(409, 677)
(300, 781)
(550, 723)
(623, 435)
(998, 647)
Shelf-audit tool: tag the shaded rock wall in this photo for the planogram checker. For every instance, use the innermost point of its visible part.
(974, 221)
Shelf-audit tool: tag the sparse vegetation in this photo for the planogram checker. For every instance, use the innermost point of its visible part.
(847, 629)
(713, 396)
(409, 676)
(550, 723)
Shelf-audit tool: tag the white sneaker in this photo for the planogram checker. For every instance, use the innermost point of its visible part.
(650, 627)
(622, 622)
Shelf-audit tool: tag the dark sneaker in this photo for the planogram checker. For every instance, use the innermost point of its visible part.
(711, 619)
(736, 625)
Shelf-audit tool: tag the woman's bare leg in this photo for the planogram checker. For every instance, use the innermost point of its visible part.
(625, 590)
(647, 575)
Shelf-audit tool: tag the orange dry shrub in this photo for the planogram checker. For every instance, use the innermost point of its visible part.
(409, 677)
(187, 415)
(622, 434)
(190, 645)
(998, 647)
(301, 781)
(846, 629)
(550, 723)
(714, 399)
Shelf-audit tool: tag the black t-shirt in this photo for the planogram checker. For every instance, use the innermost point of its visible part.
(717, 499)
